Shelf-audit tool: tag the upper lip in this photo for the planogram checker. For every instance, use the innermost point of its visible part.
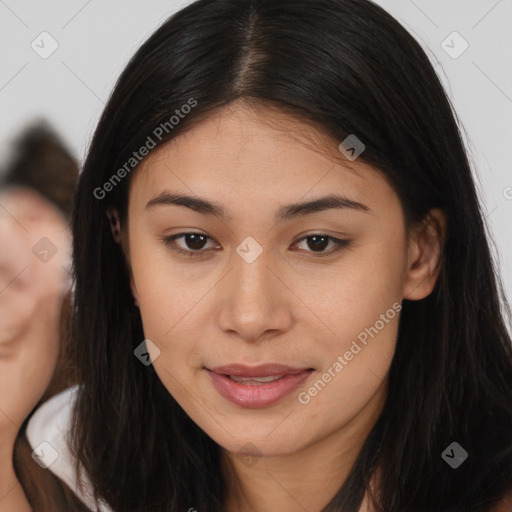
(262, 370)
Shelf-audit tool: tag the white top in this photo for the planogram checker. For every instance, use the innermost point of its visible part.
(47, 432)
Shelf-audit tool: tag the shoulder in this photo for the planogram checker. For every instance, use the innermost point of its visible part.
(47, 433)
(50, 421)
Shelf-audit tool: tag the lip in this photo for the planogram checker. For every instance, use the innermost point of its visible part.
(262, 370)
(252, 395)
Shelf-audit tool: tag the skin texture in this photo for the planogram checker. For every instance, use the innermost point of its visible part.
(287, 306)
(31, 293)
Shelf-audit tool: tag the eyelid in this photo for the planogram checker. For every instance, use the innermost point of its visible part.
(169, 242)
(339, 244)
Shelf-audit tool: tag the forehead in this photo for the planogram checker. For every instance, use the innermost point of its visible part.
(240, 151)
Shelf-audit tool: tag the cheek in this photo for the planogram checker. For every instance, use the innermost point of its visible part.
(354, 294)
(361, 311)
(168, 306)
(42, 366)
(354, 372)
(16, 309)
(164, 309)
(170, 294)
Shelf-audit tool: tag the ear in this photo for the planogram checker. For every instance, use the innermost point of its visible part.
(119, 235)
(115, 223)
(424, 258)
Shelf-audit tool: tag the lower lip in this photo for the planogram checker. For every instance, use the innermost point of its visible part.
(258, 395)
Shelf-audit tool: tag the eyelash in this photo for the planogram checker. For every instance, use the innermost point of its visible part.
(169, 242)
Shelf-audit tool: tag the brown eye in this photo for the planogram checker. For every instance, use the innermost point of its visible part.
(317, 244)
(194, 243)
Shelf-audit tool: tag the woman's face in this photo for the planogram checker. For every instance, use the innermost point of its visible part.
(254, 290)
(35, 259)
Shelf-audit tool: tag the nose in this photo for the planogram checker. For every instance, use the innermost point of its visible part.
(255, 302)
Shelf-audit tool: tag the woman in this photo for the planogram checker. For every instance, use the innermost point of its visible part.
(35, 199)
(277, 213)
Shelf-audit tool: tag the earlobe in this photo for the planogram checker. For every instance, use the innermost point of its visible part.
(425, 256)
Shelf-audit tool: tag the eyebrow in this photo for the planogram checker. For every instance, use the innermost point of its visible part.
(284, 213)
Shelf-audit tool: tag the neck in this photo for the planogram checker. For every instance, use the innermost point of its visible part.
(12, 495)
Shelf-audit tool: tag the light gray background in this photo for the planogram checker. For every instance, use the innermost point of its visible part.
(96, 39)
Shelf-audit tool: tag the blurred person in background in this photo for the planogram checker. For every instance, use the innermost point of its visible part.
(35, 198)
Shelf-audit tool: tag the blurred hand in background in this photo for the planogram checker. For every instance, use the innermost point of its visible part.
(35, 264)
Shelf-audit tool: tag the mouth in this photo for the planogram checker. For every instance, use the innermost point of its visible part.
(262, 370)
(257, 386)
(255, 381)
